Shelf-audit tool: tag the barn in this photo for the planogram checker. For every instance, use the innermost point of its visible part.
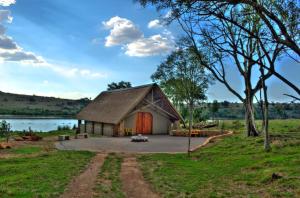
(138, 110)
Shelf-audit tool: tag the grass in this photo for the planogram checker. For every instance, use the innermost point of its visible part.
(45, 175)
(26, 150)
(235, 166)
(108, 181)
(37, 169)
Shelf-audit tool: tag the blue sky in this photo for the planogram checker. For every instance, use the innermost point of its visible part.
(73, 49)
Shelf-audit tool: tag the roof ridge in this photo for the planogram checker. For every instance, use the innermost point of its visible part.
(130, 88)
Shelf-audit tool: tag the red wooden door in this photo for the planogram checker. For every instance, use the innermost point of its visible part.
(144, 123)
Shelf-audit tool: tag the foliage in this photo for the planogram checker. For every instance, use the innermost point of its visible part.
(182, 77)
(17, 104)
(215, 107)
(5, 129)
(63, 128)
(119, 85)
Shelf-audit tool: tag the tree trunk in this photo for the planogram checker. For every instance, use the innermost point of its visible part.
(249, 117)
(191, 106)
(267, 146)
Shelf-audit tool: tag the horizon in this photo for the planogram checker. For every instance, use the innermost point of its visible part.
(112, 41)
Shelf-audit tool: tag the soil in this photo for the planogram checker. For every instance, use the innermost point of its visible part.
(133, 183)
(82, 185)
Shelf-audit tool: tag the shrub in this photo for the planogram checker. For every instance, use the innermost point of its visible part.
(5, 129)
(63, 128)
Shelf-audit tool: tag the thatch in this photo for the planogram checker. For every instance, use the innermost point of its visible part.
(113, 106)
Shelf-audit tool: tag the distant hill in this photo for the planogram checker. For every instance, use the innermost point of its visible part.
(228, 110)
(18, 104)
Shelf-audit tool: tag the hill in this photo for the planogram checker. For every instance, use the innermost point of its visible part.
(18, 104)
(230, 110)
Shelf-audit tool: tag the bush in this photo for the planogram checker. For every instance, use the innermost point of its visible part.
(5, 129)
(63, 128)
(237, 125)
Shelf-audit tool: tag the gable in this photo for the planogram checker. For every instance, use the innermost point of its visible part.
(113, 106)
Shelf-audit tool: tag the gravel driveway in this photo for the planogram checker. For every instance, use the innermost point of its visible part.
(156, 144)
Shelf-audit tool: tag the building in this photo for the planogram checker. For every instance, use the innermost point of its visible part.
(137, 110)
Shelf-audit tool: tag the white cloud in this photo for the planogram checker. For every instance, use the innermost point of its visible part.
(73, 72)
(125, 33)
(7, 2)
(10, 51)
(154, 24)
(154, 45)
(5, 16)
(122, 31)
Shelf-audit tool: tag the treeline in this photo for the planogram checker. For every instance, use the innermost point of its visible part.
(235, 110)
(31, 105)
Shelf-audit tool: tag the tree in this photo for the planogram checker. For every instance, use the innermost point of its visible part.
(5, 129)
(280, 17)
(119, 85)
(237, 31)
(182, 72)
(214, 108)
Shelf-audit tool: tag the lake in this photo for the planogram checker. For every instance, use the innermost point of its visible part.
(39, 124)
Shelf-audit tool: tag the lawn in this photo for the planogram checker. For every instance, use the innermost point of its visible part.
(108, 182)
(235, 166)
(39, 170)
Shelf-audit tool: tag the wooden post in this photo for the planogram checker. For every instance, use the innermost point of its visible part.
(102, 128)
(93, 127)
(78, 126)
(85, 122)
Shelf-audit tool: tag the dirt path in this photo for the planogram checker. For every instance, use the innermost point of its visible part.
(133, 183)
(82, 185)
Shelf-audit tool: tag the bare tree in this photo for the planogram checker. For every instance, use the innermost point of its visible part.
(280, 17)
(232, 30)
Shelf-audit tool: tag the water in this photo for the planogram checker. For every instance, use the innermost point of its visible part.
(43, 125)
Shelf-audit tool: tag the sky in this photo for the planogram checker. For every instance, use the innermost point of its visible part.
(73, 49)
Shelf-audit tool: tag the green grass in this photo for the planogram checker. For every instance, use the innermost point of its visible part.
(235, 166)
(44, 175)
(108, 182)
(26, 150)
(45, 134)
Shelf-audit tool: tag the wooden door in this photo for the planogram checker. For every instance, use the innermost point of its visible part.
(144, 123)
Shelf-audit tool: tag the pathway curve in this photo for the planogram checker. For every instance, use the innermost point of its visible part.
(133, 183)
(82, 185)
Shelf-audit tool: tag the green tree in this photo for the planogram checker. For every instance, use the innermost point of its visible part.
(214, 108)
(187, 79)
(120, 85)
(5, 129)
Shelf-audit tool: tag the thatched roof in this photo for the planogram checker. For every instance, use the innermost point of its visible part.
(113, 106)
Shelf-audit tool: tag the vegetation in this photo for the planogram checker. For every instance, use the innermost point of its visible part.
(239, 32)
(5, 130)
(17, 104)
(44, 174)
(184, 79)
(108, 182)
(119, 85)
(229, 110)
(235, 166)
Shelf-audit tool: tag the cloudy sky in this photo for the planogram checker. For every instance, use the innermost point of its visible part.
(73, 49)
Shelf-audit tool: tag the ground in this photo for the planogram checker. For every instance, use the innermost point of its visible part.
(234, 166)
(156, 143)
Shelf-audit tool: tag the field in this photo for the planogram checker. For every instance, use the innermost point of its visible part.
(36, 173)
(235, 166)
